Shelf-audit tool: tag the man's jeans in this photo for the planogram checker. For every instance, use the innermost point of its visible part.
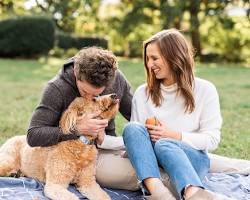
(184, 164)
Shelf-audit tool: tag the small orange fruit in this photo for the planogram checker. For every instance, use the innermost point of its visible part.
(153, 121)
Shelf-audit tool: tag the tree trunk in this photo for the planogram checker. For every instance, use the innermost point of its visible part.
(195, 24)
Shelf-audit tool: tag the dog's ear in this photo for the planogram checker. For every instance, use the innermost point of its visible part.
(68, 120)
(69, 117)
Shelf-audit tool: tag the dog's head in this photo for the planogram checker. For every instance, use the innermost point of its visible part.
(106, 105)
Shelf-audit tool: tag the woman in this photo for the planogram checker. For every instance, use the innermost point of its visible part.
(190, 120)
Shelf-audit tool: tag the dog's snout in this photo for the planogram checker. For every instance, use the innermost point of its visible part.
(113, 96)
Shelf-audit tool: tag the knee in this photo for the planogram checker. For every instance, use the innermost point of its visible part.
(166, 146)
(132, 130)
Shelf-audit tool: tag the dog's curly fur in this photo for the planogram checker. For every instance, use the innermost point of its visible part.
(67, 162)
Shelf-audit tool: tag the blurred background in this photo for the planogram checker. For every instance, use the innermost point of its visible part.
(36, 36)
(218, 29)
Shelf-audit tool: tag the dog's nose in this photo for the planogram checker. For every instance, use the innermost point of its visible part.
(113, 96)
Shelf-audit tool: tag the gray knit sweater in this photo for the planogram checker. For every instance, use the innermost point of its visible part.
(58, 94)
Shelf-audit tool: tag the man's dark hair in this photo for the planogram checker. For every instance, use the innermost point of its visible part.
(95, 65)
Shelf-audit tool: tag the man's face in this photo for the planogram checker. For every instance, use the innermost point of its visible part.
(88, 90)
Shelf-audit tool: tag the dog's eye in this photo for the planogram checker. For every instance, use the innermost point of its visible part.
(94, 99)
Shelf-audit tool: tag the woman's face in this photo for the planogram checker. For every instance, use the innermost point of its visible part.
(157, 65)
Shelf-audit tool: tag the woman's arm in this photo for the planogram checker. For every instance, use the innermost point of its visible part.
(208, 136)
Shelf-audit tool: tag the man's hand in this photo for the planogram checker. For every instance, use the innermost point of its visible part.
(89, 126)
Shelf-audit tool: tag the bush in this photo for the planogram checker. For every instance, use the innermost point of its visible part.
(211, 57)
(57, 52)
(71, 52)
(226, 42)
(26, 36)
(62, 53)
(66, 41)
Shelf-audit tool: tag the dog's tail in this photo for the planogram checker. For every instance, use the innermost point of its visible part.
(10, 155)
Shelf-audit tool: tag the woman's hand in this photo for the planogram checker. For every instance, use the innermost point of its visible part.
(100, 137)
(161, 131)
(88, 125)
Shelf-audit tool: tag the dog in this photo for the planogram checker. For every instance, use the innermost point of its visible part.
(69, 161)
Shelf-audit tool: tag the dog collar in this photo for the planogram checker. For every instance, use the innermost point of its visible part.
(85, 140)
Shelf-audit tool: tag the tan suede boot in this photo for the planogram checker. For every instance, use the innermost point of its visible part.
(208, 195)
(160, 193)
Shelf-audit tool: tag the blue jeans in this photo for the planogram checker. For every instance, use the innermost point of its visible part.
(184, 164)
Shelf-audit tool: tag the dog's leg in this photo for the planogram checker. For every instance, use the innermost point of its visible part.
(88, 186)
(10, 155)
(7, 165)
(59, 174)
(58, 192)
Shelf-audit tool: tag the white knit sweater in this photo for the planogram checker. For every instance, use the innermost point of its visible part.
(200, 129)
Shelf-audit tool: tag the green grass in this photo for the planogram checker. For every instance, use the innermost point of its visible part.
(22, 82)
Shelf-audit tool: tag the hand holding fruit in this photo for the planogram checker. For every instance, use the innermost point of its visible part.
(152, 121)
(157, 130)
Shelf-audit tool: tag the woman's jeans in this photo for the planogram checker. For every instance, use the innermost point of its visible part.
(184, 164)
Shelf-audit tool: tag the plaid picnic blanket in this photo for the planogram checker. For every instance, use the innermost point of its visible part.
(234, 185)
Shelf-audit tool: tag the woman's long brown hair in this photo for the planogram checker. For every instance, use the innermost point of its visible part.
(177, 52)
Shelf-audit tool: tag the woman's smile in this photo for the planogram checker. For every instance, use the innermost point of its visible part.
(156, 70)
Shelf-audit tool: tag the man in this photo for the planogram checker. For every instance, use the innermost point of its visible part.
(92, 72)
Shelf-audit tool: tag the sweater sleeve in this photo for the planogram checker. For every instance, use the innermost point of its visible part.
(208, 136)
(139, 110)
(44, 125)
(134, 111)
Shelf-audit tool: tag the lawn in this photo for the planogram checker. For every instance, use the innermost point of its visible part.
(22, 82)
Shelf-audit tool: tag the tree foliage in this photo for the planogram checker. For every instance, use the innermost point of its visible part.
(63, 12)
(127, 23)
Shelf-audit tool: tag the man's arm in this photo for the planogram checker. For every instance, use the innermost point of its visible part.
(43, 129)
(47, 136)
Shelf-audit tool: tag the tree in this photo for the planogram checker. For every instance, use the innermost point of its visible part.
(63, 12)
(9, 8)
(155, 14)
(194, 8)
(171, 14)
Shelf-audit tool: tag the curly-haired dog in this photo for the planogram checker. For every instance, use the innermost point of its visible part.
(67, 162)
